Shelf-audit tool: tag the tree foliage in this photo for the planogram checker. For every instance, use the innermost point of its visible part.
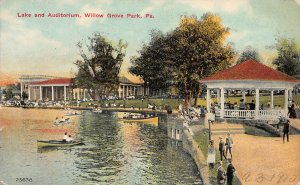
(100, 65)
(151, 65)
(194, 49)
(288, 59)
(249, 54)
(8, 91)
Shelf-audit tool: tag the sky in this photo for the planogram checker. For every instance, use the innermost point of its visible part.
(46, 45)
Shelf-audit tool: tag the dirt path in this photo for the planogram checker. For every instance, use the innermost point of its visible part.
(266, 160)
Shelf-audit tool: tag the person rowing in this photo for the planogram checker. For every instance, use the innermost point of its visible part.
(69, 139)
(56, 121)
(65, 137)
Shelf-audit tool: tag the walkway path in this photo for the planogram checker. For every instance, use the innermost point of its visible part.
(261, 160)
(266, 160)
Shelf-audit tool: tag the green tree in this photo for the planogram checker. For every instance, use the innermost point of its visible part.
(100, 67)
(200, 51)
(288, 59)
(194, 49)
(151, 65)
(9, 94)
(249, 54)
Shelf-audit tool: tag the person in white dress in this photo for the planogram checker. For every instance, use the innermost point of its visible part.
(211, 156)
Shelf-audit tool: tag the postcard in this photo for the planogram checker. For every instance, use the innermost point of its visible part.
(139, 92)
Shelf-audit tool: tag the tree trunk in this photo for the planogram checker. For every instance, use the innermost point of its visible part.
(198, 92)
(185, 93)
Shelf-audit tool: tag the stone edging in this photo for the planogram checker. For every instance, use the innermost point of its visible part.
(191, 147)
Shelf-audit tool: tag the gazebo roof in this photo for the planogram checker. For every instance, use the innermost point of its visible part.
(55, 81)
(250, 70)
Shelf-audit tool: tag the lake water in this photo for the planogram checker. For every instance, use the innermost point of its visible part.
(114, 152)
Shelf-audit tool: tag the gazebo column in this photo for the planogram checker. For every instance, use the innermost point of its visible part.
(41, 93)
(222, 103)
(52, 93)
(218, 96)
(290, 97)
(244, 96)
(208, 100)
(256, 103)
(272, 99)
(286, 101)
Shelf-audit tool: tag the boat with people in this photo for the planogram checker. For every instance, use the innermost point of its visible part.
(97, 110)
(74, 113)
(137, 117)
(62, 121)
(57, 143)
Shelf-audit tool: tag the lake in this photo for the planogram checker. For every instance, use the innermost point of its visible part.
(115, 152)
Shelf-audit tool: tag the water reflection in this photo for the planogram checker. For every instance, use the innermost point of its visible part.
(114, 152)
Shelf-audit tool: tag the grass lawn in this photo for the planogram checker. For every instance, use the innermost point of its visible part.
(136, 103)
(201, 138)
(174, 103)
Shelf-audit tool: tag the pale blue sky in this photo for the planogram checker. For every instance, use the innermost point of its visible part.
(48, 45)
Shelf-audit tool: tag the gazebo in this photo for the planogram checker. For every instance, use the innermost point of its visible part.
(250, 75)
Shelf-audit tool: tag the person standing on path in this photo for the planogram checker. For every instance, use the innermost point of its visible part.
(292, 112)
(211, 156)
(229, 172)
(286, 130)
(228, 144)
(221, 177)
(222, 149)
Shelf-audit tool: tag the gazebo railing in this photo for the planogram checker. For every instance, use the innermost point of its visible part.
(250, 114)
(270, 114)
(239, 113)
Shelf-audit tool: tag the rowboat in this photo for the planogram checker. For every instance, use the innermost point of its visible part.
(61, 122)
(97, 110)
(148, 120)
(57, 143)
(72, 114)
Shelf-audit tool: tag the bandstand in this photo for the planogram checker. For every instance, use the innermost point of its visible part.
(254, 76)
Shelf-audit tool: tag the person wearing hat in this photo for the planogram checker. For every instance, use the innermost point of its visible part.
(229, 172)
(221, 177)
(222, 149)
(228, 144)
(286, 130)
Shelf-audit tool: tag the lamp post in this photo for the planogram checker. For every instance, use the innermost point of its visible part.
(209, 131)
(142, 103)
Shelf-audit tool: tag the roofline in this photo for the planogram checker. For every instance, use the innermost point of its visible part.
(49, 85)
(284, 74)
(296, 82)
